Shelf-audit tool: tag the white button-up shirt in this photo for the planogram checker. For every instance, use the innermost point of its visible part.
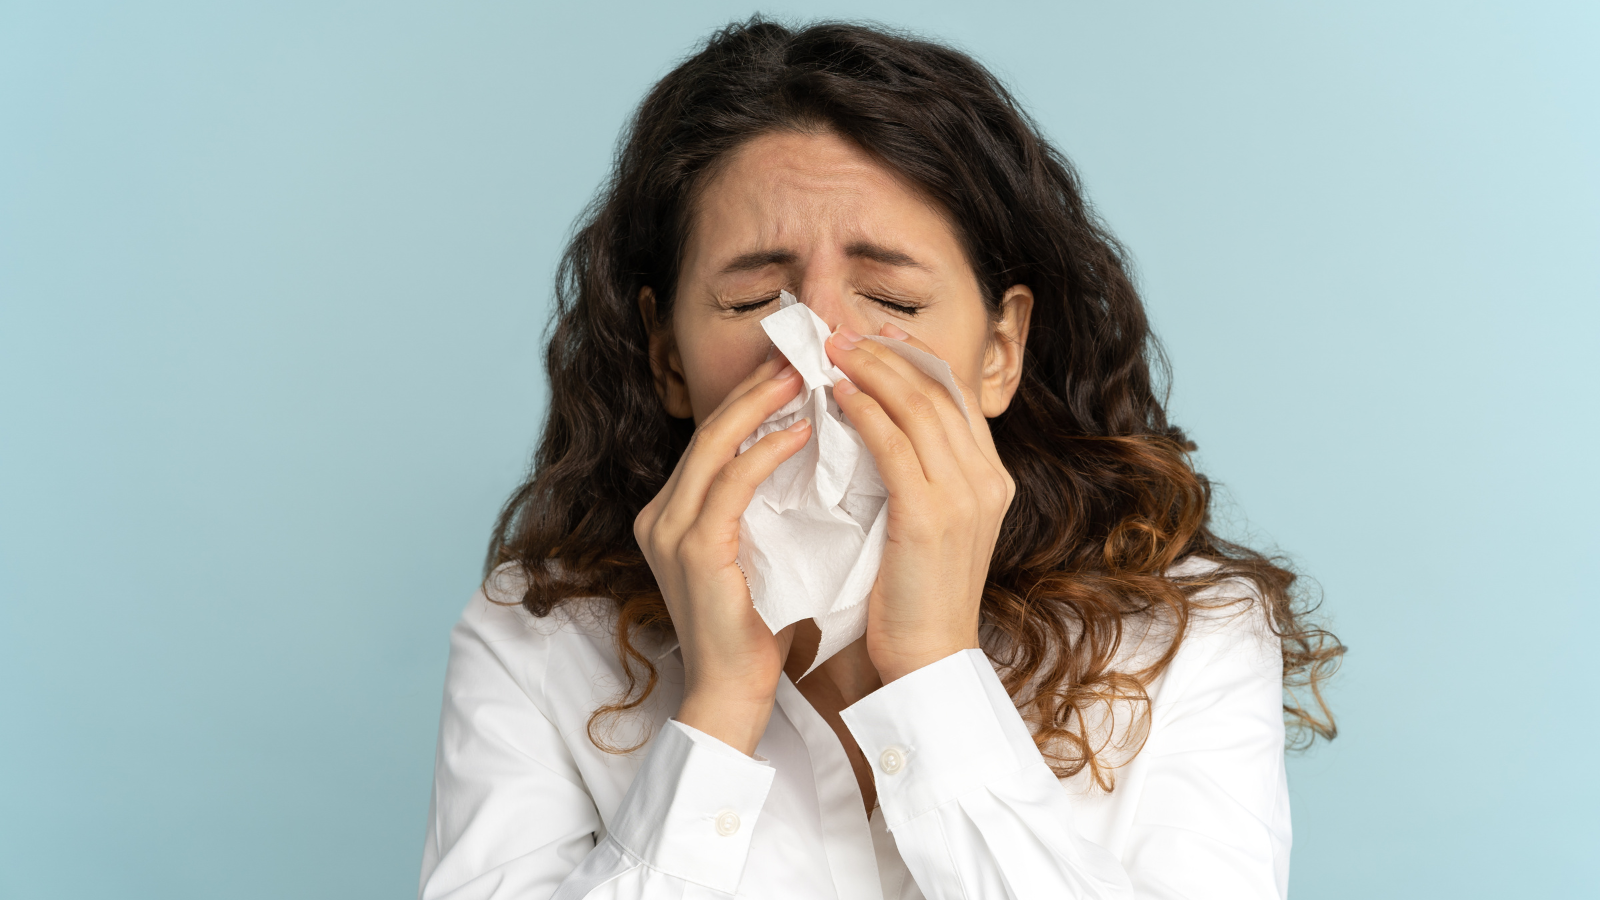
(525, 805)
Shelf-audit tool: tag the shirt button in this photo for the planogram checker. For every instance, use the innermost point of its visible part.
(892, 760)
(727, 822)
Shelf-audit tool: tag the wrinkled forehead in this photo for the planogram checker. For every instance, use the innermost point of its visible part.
(806, 193)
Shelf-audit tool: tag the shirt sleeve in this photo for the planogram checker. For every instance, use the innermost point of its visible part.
(684, 828)
(976, 812)
(511, 818)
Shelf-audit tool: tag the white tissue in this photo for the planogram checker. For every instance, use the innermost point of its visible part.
(811, 540)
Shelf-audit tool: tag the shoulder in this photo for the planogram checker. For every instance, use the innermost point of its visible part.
(496, 613)
(496, 616)
(1228, 652)
(1228, 612)
(1220, 611)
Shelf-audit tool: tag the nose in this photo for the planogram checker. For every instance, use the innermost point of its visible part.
(833, 302)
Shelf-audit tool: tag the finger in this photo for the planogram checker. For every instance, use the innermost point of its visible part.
(958, 427)
(717, 441)
(970, 438)
(774, 363)
(914, 412)
(898, 462)
(976, 424)
(735, 485)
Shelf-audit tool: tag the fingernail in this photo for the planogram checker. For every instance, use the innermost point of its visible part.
(844, 337)
(771, 352)
(843, 386)
(893, 332)
(784, 373)
(801, 425)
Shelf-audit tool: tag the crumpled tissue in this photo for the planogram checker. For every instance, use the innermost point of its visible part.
(812, 539)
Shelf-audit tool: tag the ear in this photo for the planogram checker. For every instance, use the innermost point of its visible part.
(1002, 359)
(665, 363)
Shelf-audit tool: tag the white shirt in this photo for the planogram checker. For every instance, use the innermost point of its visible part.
(525, 805)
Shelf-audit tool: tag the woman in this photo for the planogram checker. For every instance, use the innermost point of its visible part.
(1068, 686)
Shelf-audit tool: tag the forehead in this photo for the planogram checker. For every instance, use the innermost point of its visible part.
(791, 187)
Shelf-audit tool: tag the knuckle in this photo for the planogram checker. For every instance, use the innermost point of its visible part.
(688, 549)
(736, 472)
(696, 547)
(761, 449)
(868, 413)
(661, 549)
(993, 490)
(660, 538)
(647, 525)
(868, 360)
(666, 524)
(899, 449)
(702, 436)
(921, 406)
(996, 498)
(1003, 506)
(1008, 483)
(718, 436)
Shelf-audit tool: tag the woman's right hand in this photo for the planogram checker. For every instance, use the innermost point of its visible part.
(690, 536)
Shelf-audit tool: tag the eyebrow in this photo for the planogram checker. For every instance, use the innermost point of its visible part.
(881, 254)
(760, 259)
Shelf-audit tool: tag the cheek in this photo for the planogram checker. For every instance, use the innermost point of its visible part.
(717, 359)
(961, 344)
(968, 365)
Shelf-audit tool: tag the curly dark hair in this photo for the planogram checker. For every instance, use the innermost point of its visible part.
(1107, 501)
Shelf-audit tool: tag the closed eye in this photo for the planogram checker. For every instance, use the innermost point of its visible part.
(902, 308)
(753, 305)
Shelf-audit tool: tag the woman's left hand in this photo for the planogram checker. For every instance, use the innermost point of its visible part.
(948, 493)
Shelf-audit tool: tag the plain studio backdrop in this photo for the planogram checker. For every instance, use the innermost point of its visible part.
(274, 279)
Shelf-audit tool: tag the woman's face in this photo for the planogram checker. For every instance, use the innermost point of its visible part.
(813, 214)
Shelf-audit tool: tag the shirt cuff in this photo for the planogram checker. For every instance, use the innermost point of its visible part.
(942, 731)
(692, 808)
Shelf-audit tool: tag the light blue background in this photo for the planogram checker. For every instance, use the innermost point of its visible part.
(273, 281)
